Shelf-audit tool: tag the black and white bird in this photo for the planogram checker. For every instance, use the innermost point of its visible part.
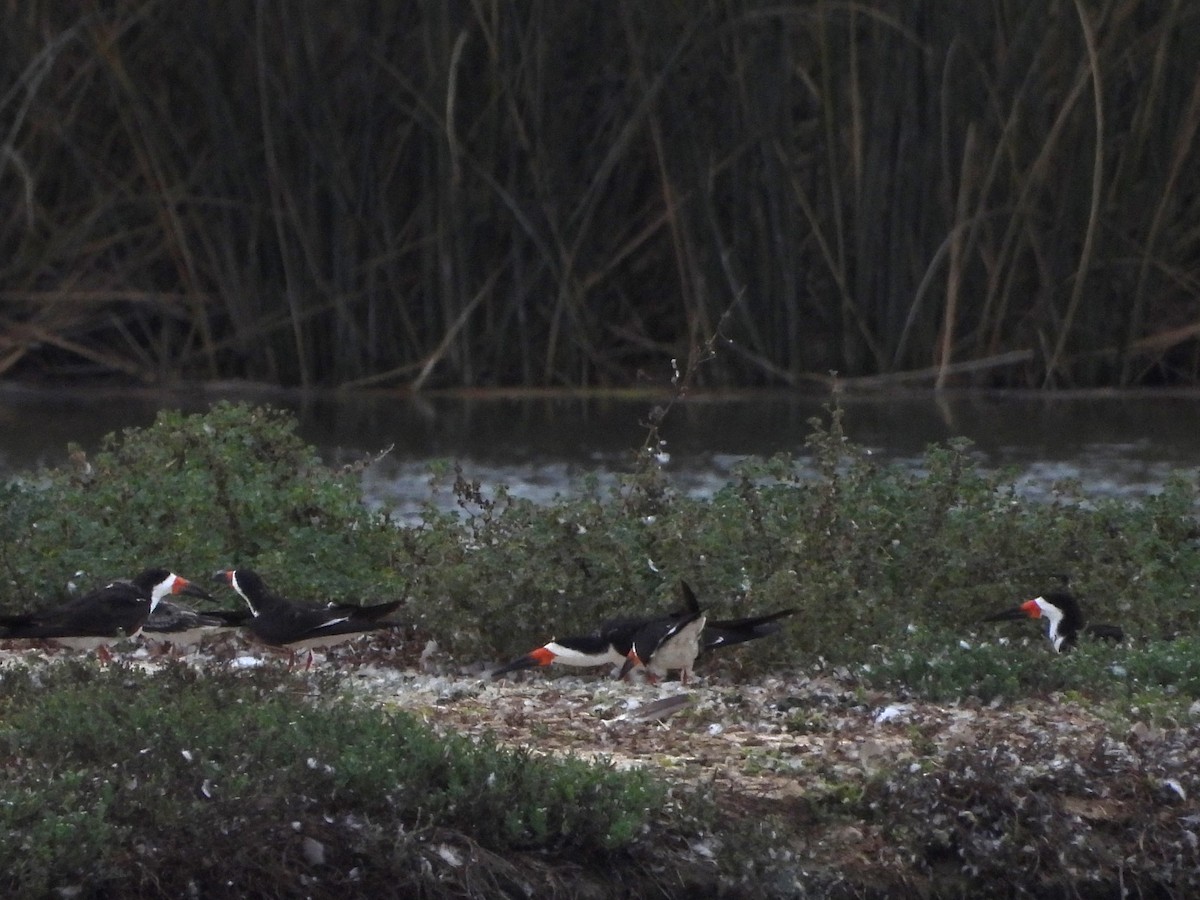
(1064, 620)
(110, 613)
(665, 646)
(585, 651)
(611, 643)
(284, 623)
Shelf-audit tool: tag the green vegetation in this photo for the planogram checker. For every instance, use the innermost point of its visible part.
(137, 785)
(933, 668)
(887, 567)
(126, 784)
(233, 487)
(470, 194)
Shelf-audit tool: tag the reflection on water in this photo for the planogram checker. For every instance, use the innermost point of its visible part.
(1115, 444)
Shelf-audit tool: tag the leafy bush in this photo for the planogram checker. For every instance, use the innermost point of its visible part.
(116, 780)
(870, 555)
(121, 782)
(235, 486)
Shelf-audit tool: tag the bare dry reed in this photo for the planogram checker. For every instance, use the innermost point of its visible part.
(546, 193)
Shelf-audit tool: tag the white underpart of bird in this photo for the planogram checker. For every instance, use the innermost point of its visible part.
(570, 657)
(679, 652)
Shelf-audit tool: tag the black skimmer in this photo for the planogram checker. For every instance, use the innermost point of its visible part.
(607, 645)
(1064, 620)
(661, 649)
(611, 642)
(665, 645)
(117, 610)
(293, 626)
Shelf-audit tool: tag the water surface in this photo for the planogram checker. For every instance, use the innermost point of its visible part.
(1113, 443)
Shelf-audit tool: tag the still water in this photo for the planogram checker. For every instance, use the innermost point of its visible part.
(1116, 444)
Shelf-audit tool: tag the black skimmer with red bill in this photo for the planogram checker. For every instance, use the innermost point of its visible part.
(611, 643)
(607, 645)
(1064, 620)
(293, 626)
(116, 611)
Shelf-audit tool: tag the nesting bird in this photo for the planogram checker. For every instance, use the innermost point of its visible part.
(115, 611)
(283, 623)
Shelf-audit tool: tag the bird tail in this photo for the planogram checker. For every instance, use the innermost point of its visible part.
(725, 632)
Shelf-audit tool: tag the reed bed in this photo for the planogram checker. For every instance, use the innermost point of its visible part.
(484, 193)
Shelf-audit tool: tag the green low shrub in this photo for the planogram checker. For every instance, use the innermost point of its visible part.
(114, 779)
(870, 555)
(234, 486)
